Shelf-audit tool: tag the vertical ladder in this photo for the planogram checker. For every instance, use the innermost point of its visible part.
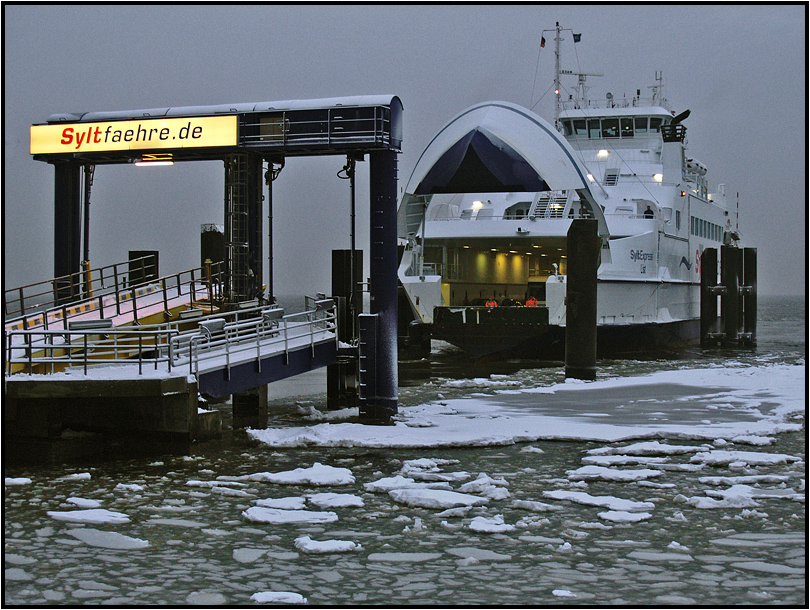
(237, 241)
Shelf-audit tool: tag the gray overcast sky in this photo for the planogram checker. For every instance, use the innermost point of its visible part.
(741, 69)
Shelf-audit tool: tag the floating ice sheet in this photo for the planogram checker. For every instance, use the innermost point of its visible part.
(91, 515)
(317, 474)
(706, 404)
(107, 540)
(262, 514)
(278, 597)
(611, 502)
(305, 544)
(435, 498)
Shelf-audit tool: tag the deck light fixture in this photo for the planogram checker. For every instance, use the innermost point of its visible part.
(154, 160)
(658, 177)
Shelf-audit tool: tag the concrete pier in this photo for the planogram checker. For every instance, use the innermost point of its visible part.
(43, 412)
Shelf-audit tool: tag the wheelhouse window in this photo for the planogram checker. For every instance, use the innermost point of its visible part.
(613, 127)
(610, 128)
(567, 131)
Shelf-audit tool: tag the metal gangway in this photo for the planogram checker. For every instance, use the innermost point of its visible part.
(125, 293)
(227, 352)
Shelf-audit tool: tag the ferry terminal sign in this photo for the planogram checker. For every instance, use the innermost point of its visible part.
(160, 133)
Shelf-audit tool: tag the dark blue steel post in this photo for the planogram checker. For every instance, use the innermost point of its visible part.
(580, 300)
(750, 296)
(708, 297)
(383, 272)
(730, 303)
(67, 228)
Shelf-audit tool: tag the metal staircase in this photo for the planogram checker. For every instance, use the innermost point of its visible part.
(548, 205)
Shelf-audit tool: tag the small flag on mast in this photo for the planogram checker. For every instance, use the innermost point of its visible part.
(577, 37)
(542, 42)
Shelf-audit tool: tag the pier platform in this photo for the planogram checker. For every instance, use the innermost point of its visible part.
(144, 382)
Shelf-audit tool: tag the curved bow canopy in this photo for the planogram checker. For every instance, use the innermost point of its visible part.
(493, 147)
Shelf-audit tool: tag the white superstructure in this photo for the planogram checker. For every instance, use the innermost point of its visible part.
(488, 206)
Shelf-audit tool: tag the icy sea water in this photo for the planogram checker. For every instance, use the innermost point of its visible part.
(184, 540)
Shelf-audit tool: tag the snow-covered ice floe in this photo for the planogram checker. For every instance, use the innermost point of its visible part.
(435, 498)
(305, 544)
(262, 514)
(709, 404)
(91, 515)
(317, 474)
(278, 597)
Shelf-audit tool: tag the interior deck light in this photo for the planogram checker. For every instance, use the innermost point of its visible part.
(602, 153)
(658, 177)
(477, 205)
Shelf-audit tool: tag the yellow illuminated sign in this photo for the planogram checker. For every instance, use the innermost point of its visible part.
(187, 132)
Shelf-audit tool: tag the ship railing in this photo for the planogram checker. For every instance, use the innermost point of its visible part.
(629, 215)
(450, 271)
(547, 209)
(634, 102)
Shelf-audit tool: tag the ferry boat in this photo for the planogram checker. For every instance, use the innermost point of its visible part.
(486, 211)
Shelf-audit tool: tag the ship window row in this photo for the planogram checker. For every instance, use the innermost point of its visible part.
(617, 127)
(706, 229)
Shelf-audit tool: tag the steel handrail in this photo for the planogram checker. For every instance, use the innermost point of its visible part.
(114, 346)
(75, 282)
(241, 335)
(129, 294)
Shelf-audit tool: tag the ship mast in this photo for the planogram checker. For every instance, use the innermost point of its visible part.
(557, 41)
(557, 72)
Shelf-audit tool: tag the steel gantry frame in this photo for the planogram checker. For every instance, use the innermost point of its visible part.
(254, 134)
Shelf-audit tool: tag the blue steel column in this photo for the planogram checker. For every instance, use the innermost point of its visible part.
(383, 271)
